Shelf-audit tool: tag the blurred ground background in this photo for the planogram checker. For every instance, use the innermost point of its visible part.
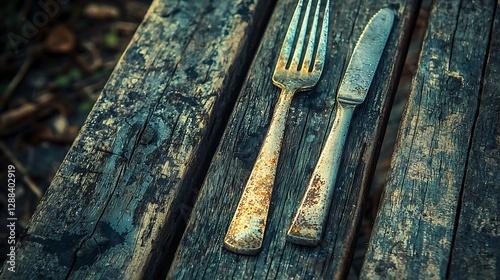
(54, 61)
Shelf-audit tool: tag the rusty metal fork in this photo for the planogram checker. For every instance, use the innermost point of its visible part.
(294, 72)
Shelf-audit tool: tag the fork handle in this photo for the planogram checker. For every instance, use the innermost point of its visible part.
(307, 225)
(247, 227)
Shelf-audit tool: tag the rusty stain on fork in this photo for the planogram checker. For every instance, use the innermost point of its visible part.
(247, 227)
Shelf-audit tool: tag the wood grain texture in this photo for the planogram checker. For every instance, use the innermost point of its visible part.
(200, 254)
(476, 250)
(120, 195)
(414, 232)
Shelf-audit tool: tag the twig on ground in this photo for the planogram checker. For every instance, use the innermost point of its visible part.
(20, 167)
(17, 117)
(33, 54)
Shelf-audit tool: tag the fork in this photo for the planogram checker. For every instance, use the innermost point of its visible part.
(294, 72)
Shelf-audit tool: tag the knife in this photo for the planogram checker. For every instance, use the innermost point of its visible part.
(308, 222)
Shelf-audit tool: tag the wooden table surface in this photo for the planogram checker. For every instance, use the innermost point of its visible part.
(151, 183)
(440, 215)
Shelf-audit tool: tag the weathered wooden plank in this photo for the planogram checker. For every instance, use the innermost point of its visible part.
(117, 201)
(413, 234)
(476, 250)
(201, 253)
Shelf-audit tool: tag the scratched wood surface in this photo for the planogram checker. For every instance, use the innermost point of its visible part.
(200, 254)
(119, 198)
(476, 250)
(439, 216)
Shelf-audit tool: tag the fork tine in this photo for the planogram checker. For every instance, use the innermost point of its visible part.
(300, 42)
(312, 39)
(286, 48)
(319, 62)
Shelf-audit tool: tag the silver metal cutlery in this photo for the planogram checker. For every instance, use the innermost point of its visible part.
(295, 71)
(308, 223)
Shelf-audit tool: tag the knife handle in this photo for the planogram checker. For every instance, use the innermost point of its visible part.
(307, 225)
(247, 227)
